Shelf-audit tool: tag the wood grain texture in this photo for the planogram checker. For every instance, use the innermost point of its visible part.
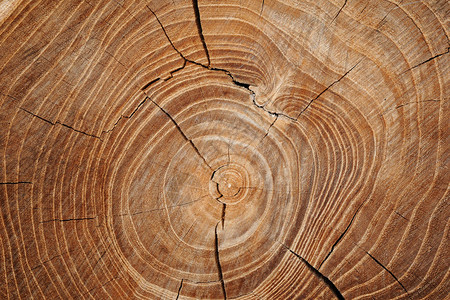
(224, 150)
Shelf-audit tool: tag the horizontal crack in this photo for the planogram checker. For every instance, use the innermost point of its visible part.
(17, 182)
(69, 220)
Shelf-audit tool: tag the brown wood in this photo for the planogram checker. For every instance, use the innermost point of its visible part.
(224, 149)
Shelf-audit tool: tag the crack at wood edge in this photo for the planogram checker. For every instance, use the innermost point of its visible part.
(219, 266)
(179, 289)
(337, 15)
(326, 89)
(341, 236)
(262, 8)
(200, 29)
(62, 124)
(318, 274)
(386, 269)
(177, 126)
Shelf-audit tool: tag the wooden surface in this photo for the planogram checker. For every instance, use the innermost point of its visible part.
(247, 150)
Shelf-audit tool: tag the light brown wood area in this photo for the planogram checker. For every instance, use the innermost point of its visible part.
(239, 149)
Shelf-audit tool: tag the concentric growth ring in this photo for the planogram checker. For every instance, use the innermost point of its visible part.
(196, 150)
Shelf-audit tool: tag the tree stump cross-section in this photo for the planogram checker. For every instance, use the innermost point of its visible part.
(198, 149)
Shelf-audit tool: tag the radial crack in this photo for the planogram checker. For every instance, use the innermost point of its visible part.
(181, 132)
(326, 89)
(62, 124)
(200, 29)
(342, 7)
(228, 73)
(68, 220)
(131, 115)
(386, 269)
(219, 267)
(428, 60)
(341, 236)
(179, 289)
(224, 207)
(317, 273)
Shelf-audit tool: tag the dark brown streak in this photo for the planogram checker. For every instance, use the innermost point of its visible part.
(200, 29)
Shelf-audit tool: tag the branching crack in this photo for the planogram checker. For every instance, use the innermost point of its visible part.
(219, 267)
(386, 269)
(62, 124)
(236, 82)
(317, 273)
(341, 236)
(179, 289)
(181, 132)
(326, 89)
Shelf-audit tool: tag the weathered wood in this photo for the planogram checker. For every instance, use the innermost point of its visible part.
(240, 150)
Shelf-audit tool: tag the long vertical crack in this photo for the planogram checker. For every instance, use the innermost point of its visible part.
(181, 132)
(387, 270)
(219, 266)
(317, 273)
(200, 29)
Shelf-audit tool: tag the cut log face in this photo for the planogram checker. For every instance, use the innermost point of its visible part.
(238, 150)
